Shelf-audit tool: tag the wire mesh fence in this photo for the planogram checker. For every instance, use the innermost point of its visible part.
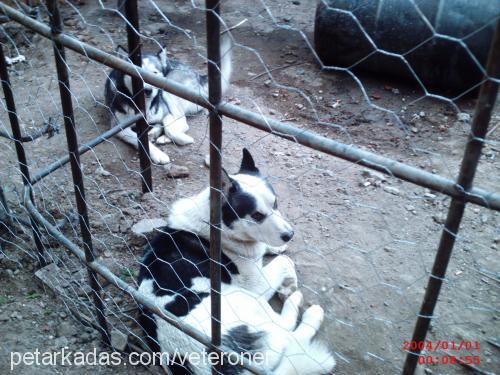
(366, 224)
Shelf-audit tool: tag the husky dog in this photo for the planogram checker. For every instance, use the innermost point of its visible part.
(166, 112)
(175, 274)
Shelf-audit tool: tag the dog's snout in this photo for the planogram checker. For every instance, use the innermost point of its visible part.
(148, 91)
(287, 236)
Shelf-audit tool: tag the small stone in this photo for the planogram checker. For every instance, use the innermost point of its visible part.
(63, 315)
(391, 190)
(463, 117)
(267, 83)
(65, 328)
(429, 195)
(373, 174)
(414, 130)
(439, 219)
(275, 94)
(119, 340)
(410, 208)
(4, 317)
(102, 172)
(207, 161)
(176, 171)
(70, 22)
(61, 342)
(299, 106)
(16, 315)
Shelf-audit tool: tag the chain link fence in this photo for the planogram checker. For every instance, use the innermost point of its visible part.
(78, 206)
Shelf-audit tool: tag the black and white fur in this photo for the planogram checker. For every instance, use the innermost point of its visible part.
(175, 274)
(164, 111)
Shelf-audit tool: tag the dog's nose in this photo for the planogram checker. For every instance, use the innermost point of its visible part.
(287, 236)
(148, 91)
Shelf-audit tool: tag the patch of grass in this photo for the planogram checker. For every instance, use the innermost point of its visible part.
(32, 294)
(127, 272)
(4, 300)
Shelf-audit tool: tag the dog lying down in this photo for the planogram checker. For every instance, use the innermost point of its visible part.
(165, 112)
(174, 272)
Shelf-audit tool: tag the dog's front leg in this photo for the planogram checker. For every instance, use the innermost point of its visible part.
(175, 129)
(129, 136)
(277, 276)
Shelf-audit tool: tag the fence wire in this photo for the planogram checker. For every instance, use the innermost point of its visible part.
(364, 241)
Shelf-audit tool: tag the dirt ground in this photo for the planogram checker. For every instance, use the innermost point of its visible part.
(364, 243)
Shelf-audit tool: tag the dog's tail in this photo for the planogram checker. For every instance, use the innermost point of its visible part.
(226, 60)
(312, 358)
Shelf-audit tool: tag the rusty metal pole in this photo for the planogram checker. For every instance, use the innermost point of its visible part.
(21, 154)
(215, 123)
(470, 161)
(134, 48)
(76, 170)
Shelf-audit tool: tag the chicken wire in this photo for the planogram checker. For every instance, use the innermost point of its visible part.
(364, 242)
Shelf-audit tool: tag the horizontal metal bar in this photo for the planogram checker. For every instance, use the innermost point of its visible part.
(49, 129)
(122, 285)
(304, 137)
(361, 157)
(85, 148)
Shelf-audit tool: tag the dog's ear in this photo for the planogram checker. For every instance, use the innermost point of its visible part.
(227, 183)
(162, 55)
(247, 163)
(121, 51)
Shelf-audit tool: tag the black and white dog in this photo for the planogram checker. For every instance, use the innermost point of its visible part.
(166, 112)
(175, 274)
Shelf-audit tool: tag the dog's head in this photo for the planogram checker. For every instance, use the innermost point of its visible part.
(250, 207)
(154, 63)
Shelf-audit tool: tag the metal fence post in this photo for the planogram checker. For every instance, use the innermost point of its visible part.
(470, 161)
(76, 171)
(134, 48)
(215, 122)
(21, 155)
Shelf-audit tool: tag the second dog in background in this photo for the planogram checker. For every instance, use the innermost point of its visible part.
(164, 111)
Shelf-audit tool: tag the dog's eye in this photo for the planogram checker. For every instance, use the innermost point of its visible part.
(275, 205)
(258, 217)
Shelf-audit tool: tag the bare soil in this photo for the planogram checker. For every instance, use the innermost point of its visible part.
(364, 244)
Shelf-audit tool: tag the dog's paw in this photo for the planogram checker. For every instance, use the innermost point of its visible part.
(290, 280)
(154, 133)
(276, 250)
(162, 140)
(181, 139)
(295, 299)
(159, 157)
(314, 316)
